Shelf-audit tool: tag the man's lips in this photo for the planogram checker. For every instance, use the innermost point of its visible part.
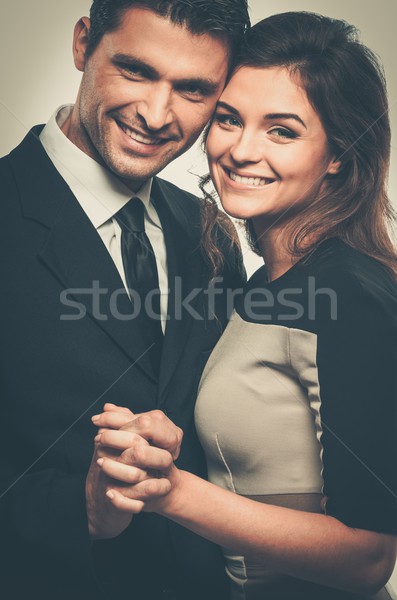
(141, 137)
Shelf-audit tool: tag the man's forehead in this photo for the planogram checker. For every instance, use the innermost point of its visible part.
(140, 25)
(167, 50)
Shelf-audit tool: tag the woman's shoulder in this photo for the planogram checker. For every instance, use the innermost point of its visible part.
(337, 262)
(356, 278)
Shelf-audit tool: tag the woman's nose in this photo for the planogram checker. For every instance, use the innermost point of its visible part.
(246, 149)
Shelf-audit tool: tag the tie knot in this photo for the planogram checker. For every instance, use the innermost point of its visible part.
(131, 216)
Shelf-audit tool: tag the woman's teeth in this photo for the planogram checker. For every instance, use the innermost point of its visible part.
(256, 181)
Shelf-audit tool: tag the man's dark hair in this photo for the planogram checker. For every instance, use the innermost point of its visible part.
(227, 19)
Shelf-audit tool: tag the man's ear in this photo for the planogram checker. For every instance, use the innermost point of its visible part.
(334, 167)
(80, 42)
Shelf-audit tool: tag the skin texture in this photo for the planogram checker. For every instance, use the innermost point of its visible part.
(151, 76)
(289, 154)
(161, 82)
(129, 439)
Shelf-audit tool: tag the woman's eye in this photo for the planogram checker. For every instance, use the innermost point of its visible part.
(281, 132)
(227, 120)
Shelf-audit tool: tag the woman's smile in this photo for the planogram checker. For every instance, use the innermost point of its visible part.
(273, 152)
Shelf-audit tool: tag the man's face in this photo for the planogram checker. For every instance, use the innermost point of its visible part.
(147, 91)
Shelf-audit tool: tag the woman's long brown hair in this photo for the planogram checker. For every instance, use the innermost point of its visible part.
(345, 84)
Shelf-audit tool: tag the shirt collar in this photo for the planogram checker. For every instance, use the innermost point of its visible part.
(100, 192)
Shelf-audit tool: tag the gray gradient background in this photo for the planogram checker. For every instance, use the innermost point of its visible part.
(37, 72)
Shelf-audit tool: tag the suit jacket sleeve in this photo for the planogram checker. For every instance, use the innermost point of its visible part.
(42, 509)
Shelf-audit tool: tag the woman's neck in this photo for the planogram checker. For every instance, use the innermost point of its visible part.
(274, 247)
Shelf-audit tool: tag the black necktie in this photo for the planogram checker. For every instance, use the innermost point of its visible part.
(141, 275)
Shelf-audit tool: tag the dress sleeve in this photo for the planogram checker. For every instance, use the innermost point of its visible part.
(357, 369)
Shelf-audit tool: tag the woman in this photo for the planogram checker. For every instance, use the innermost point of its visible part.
(296, 406)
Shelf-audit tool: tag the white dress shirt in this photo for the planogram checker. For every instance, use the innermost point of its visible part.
(101, 195)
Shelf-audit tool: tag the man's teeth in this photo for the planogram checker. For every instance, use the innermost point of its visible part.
(249, 180)
(138, 137)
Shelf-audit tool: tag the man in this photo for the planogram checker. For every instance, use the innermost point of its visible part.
(85, 303)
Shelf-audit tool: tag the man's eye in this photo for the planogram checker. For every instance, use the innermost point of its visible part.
(132, 70)
(192, 91)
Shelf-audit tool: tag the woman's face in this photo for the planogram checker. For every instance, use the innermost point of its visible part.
(267, 148)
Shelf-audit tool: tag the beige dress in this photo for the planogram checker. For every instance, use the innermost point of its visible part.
(285, 406)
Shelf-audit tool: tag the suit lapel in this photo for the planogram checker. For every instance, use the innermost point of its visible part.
(74, 252)
(180, 218)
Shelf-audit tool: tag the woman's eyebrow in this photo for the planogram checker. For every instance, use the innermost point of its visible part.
(227, 106)
(269, 116)
(275, 116)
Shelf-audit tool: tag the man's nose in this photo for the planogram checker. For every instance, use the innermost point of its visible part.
(156, 108)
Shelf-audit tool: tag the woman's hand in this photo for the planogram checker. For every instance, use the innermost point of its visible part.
(147, 474)
(154, 427)
(310, 546)
(144, 472)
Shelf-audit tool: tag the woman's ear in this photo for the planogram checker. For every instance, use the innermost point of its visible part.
(80, 42)
(334, 167)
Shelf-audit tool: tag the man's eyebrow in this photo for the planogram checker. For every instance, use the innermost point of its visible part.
(228, 107)
(206, 85)
(275, 116)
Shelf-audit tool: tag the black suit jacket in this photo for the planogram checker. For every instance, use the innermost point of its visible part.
(64, 353)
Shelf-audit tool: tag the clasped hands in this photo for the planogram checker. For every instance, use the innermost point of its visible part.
(132, 469)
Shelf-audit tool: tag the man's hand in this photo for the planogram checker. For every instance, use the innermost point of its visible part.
(128, 474)
(154, 427)
(143, 475)
(104, 520)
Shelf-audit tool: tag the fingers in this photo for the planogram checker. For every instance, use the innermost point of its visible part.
(124, 504)
(153, 426)
(101, 450)
(138, 497)
(112, 419)
(121, 472)
(158, 429)
(143, 457)
(135, 452)
(119, 439)
(147, 457)
(114, 408)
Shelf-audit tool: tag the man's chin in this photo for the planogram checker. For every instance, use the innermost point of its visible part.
(138, 170)
(134, 178)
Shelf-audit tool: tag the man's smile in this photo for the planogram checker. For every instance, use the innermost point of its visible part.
(142, 138)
